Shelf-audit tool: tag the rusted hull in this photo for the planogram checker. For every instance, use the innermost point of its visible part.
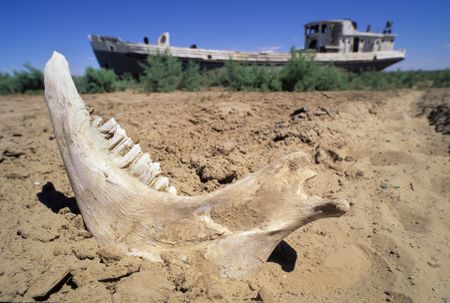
(131, 63)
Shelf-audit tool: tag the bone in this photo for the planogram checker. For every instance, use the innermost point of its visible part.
(123, 147)
(141, 165)
(108, 127)
(134, 152)
(97, 121)
(172, 190)
(161, 183)
(153, 171)
(134, 219)
(119, 136)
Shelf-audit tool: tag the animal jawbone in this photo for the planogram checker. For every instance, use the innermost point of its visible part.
(129, 205)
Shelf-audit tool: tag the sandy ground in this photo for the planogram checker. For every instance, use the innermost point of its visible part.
(372, 148)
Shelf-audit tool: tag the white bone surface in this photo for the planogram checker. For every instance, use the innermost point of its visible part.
(109, 126)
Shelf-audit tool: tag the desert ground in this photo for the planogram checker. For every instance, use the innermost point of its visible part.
(375, 149)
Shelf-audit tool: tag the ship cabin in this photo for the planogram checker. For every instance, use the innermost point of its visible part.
(342, 36)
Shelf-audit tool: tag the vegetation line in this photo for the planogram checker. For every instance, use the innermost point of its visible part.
(164, 73)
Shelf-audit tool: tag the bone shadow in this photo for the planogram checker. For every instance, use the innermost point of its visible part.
(285, 256)
(56, 200)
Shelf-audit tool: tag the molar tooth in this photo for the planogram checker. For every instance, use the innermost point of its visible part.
(134, 152)
(109, 126)
(123, 146)
(97, 121)
(161, 183)
(119, 135)
(172, 190)
(149, 176)
(141, 165)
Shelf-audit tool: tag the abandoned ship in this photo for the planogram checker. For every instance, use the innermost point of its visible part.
(336, 42)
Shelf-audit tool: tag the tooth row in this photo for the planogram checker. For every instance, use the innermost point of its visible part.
(130, 157)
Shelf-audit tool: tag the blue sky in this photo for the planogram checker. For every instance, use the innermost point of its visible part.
(31, 30)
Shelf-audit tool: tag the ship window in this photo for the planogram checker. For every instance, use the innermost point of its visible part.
(355, 45)
(313, 44)
(324, 27)
(314, 29)
(209, 57)
(111, 48)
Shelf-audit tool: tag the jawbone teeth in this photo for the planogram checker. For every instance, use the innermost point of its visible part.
(153, 171)
(97, 121)
(161, 183)
(118, 190)
(119, 136)
(123, 147)
(108, 127)
(132, 155)
(141, 166)
(137, 163)
(172, 190)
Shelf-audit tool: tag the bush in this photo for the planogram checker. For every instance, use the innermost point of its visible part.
(80, 84)
(30, 80)
(240, 77)
(191, 79)
(98, 81)
(7, 84)
(371, 80)
(162, 73)
(266, 78)
(301, 73)
(441, 79)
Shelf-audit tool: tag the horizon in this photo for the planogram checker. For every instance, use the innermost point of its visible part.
(31, 31)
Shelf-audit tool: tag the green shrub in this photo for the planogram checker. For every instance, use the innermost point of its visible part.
(241, 77)
(265, 78)
(407, 79)
(301, 73)
(371, 80)
(80, 84)
(99, 81)
(29, 80)
(126, 81)
(441, 79)
(162, 73)
(191, 79)
(7, 84)
(212, 77)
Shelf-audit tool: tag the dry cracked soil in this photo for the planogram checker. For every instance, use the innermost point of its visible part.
(376, 149)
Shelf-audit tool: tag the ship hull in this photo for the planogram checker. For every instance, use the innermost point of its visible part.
(129, 58)
(130, 63)
(372, 65)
